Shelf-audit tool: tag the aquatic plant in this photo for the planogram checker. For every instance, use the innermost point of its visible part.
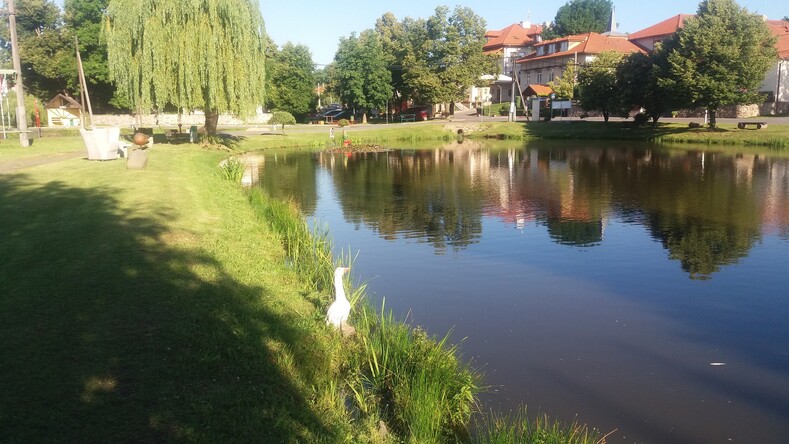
(232, 169)
(519, 428)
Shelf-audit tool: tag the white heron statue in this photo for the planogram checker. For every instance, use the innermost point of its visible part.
(341, 307)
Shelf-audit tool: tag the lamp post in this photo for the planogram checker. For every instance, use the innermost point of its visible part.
(511, 116)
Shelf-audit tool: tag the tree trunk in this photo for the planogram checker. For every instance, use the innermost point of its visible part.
(713, 119)
(452, 108)
(211, 120)
(654, 120)
(605, 116)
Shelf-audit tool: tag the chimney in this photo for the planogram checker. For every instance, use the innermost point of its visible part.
(525, 24)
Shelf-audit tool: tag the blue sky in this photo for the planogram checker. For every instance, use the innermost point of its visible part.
(320, 24)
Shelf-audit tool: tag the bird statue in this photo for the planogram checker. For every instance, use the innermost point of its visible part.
(341, 307)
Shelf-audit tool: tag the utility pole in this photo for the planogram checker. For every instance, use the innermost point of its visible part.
(21, 115)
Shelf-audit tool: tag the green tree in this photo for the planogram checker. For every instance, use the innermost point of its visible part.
(290, 75)
(363, 79)
(83, 18)
(580, 16)
(637, 82)
(206, 54)
(282, 118)
(444, 56)
(597, 85)
(564, 85)
(47, 50)
(719, 58)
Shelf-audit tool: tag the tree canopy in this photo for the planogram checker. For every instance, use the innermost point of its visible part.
(580, 16)
(362, 77)
(445, 57)
(203, 54)
(719, 57)
(290, 79)
(597, 85)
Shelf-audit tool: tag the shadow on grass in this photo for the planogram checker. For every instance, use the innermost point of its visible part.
(620, 130)
(109, 334)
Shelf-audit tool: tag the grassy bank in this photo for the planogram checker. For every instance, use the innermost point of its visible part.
(168, 305)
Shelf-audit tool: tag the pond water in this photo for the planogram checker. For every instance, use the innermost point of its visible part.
(631, 287)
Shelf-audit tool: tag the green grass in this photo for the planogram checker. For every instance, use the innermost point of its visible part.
(774, 136)
(520, 428)
(152, 305)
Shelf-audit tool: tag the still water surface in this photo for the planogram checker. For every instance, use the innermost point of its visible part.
(631, 287)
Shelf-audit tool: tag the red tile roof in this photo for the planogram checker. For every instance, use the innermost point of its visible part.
(538, 89)
(513, 35)
(666, 27)
(780, 29)
(591, 43)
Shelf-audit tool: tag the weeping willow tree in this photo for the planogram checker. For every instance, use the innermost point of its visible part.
(193, 54)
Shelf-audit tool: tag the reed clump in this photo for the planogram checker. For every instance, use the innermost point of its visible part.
(393, 382)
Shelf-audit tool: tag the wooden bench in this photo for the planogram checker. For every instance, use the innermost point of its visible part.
(407, 117)
(759, 125)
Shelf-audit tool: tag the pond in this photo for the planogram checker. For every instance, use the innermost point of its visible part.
(631, 287)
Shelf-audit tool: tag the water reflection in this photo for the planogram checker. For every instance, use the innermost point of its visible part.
(706, 209)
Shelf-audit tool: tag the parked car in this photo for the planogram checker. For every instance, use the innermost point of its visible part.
(336, 115)
(415, 113)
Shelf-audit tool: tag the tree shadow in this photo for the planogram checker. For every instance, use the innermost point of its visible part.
(115, 329)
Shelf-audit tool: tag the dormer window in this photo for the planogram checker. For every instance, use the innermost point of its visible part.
(541, 51)
(564, 46)
(552, 48)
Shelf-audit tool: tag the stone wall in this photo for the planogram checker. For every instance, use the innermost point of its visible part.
(171, 120)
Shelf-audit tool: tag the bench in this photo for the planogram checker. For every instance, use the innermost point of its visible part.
(407, 117)
(759, 125)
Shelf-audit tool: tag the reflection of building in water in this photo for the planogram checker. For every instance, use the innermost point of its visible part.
(775, 210)
(252, 166)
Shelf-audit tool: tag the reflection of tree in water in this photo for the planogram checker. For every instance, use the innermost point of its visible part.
(694, 204)
(702, 248)
(574, 232)
(422, 194)
(291, 177)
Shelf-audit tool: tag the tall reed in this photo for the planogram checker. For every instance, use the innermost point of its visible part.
(518, 427)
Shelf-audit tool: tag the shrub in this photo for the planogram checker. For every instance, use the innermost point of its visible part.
(343, 122)
(282, 118)
(640, 119)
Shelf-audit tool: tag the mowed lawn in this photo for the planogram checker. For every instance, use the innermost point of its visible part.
(150, 305)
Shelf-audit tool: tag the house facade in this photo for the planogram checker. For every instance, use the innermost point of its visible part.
(776, 84)
(550, 58)
(506, 45)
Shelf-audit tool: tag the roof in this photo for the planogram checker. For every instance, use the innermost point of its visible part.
(513, 35)
(538, 89)
(590, 43)
(780, 29)
(666, 27)
(63, 101)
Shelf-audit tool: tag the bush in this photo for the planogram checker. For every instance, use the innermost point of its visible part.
(343, 122)
(640, 119)
(282, 118)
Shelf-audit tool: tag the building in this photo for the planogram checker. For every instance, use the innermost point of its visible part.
(776, 84)
(63, 110)
(507, 45)
(647, 38)
(550, 58)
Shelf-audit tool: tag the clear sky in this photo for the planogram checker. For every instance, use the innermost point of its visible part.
(320, 24)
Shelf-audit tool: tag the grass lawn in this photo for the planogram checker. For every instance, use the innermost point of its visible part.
(151, 305)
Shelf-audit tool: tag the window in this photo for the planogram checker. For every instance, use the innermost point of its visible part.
(528, 78)
(539, 77)
(541, 51)
(550, 75)
(552, 48)
(565, 46)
